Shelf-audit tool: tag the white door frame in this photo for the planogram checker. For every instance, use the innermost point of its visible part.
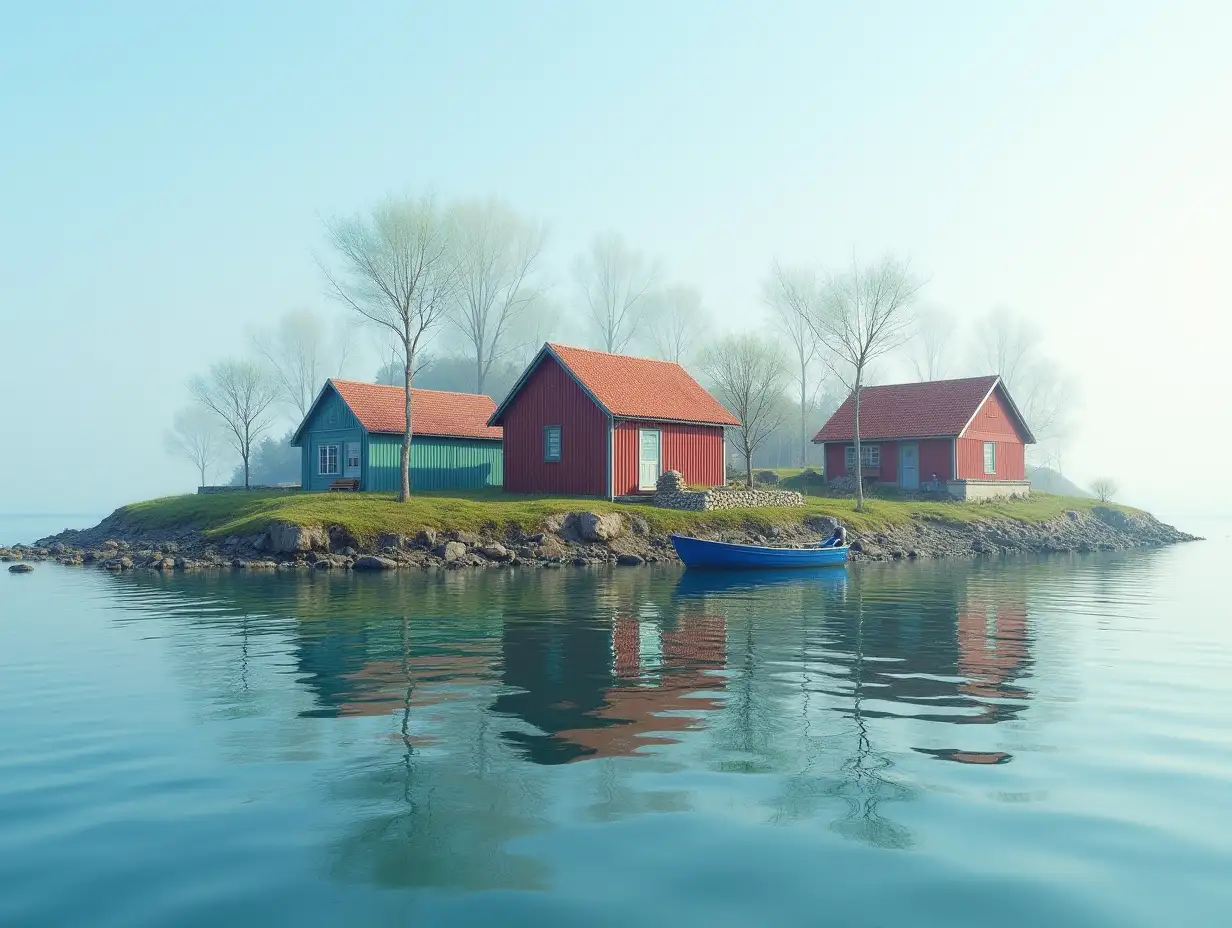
(658, 433)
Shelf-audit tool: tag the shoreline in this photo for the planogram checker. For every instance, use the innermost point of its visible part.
(618, 536)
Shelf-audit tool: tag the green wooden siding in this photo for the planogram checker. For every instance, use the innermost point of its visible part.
(436, 463)
(331, 422)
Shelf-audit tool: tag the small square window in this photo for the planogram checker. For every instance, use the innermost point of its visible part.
(352, 460)
(990, 457)
(551, 443)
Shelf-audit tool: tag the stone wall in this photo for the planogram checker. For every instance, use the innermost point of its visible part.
(671, 493)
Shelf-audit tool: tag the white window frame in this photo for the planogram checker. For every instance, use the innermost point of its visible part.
(323, 460)
(871, 455)
(548, 431)
(990, 458)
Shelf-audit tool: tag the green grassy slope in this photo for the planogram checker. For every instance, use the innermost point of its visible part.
(368, 514)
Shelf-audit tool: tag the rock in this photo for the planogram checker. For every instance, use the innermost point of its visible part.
(390, 540)
(372, 562)
(348, 551)
(1112, 517)
(340, 538)
(580, 562)
(495, 551)
(287, 538)
(822, 525)
(536, 539)
(670, 481)
(322, 564)
(20, 569)
(594, 526)
(426, 538)
(630, 560)
(766, 476)
(239, 563)
(1073, 515)
(470, 539)
(165, 564)
(180, 563)
(639, 526)
(451, 551)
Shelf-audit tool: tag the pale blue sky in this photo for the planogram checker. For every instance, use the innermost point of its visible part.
(163, 171)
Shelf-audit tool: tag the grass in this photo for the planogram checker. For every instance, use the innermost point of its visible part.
(366, 515)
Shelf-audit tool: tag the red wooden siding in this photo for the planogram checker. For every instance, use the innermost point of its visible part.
(835, 463)
(694, 450)
(889, 461)
(935, 459)
(1011, 460)
(992, 423)
(551, 397)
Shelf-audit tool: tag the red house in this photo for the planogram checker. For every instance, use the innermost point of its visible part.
(965, 435)
(588, 423)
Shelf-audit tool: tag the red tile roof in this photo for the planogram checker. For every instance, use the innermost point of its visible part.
(937, 408)
(641, 388)
(433, 412)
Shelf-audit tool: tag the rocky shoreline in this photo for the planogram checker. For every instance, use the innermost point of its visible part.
(578, 539)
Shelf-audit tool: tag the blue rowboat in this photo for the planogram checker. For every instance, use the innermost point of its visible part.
(696, 552)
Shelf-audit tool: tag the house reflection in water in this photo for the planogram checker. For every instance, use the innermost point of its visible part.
(592, 690)
(993, 654)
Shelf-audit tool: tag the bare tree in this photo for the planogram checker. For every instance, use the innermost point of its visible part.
(397, 268)
(675, 316)
(497, 252)
(865, 313)
(1104, 488)
(793, 297)
(1006, 343)
(301, 353)
(241, 394)
(614, 281)
(746, 372)
(928, 348)
(194, 436)
(1010, 345)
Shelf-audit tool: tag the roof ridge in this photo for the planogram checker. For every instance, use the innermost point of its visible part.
(925, 383)
(613, 354)
(390, 386)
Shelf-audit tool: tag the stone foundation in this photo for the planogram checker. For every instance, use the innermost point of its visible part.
(976, 490)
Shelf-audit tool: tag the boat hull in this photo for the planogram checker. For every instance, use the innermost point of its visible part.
(696, 552)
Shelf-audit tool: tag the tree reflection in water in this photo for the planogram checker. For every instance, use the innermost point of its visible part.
(454, 716)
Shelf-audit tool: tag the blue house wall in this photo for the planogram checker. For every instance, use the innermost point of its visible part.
(437, 463)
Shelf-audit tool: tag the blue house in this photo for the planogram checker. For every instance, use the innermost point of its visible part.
(353, 432)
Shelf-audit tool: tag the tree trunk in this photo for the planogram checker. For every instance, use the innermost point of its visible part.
(404, 460)
(202, 465)
(803, 417)
(748, 467)
(245, 470)
(859, 461)
(479, 369)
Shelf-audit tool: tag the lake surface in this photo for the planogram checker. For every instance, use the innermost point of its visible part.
(1020, 743)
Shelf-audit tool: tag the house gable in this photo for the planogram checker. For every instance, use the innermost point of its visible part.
(328, 412)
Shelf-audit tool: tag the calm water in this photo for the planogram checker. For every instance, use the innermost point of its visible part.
(1024, 743)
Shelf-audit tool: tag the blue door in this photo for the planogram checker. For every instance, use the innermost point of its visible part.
(909, 465)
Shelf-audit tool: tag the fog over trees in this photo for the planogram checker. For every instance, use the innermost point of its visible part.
(460, 295)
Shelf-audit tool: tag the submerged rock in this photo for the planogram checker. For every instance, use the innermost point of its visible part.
(372, 562)
(20, 569)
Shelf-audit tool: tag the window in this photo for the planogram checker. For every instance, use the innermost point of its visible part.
(990, 457)
(551, 442)
(870, 456)
(327, 460)
(352, 455)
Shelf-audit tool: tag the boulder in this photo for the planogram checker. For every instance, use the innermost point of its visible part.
(630, 560)
(452, 551)
(20, 569)
(822, 525)
(390, 540)
(287, 538)
(426, 538)
(594, 526)
(494, 551)
(469, 539)
(372, 562)
(340, 538)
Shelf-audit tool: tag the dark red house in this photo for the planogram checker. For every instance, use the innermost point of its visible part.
(964, 435)
(588, 423)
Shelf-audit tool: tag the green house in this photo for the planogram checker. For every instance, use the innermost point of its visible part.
(353, 432)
